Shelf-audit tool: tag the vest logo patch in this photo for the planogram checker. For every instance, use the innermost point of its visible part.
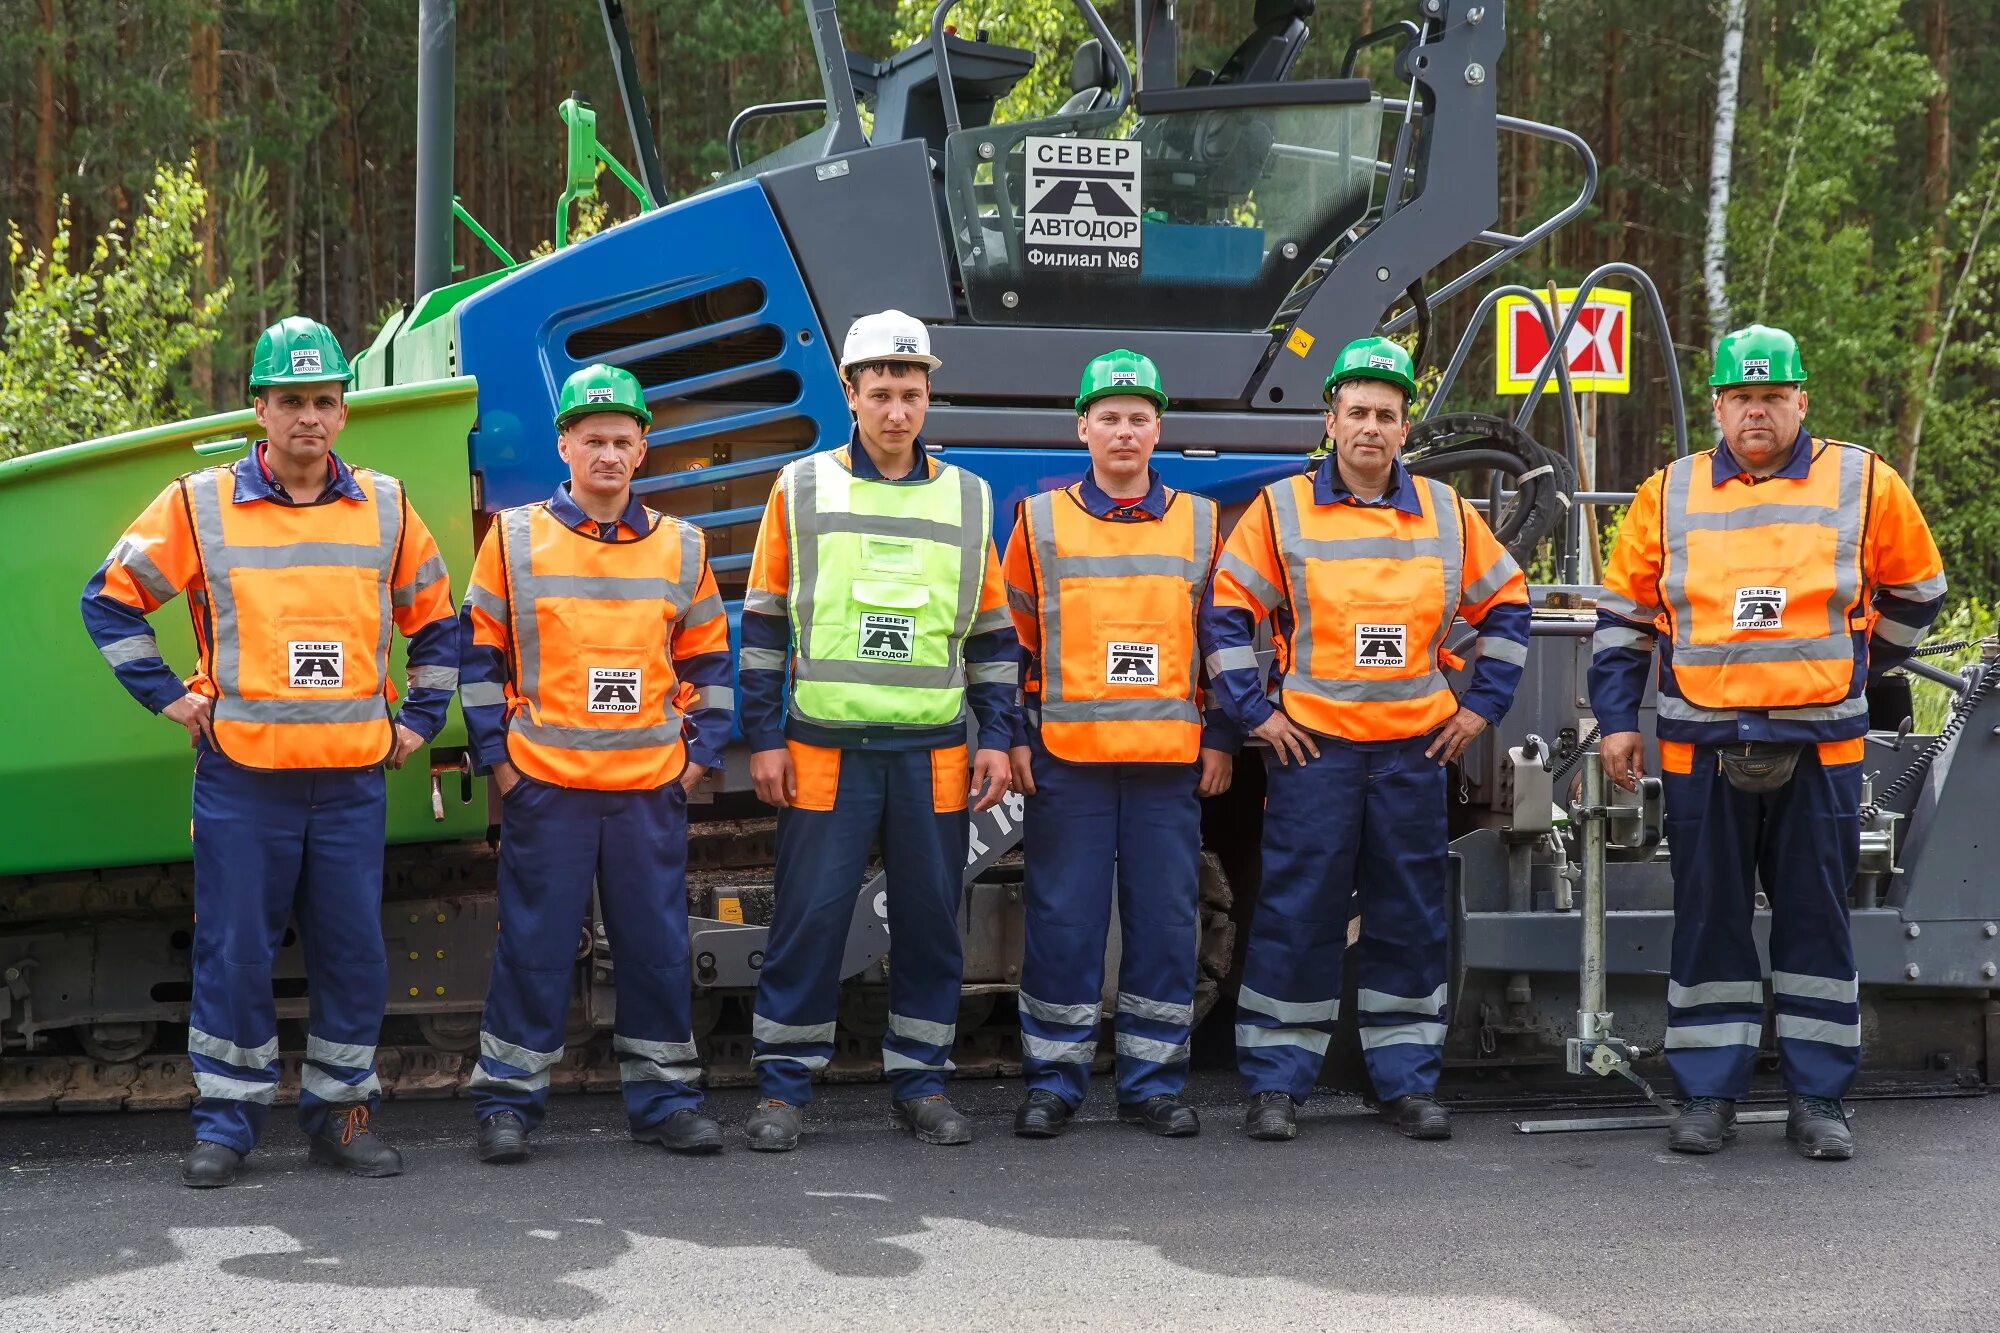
(1760, 608)
(1132, 664)
(602, 395)
(1381, 645)
(1756, 368)
(614, 689)
(887, 638)
(316, 666)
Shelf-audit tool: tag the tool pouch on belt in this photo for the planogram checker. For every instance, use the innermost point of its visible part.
(1759, 766)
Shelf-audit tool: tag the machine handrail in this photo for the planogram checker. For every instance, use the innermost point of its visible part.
(948, 94)
(732, 139)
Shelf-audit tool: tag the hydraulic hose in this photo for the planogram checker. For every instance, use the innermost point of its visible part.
(1477, 442)
(1961, 713)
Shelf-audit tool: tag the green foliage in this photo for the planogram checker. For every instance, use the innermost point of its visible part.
(94, 349)
(1970, 620)
(1052, 29)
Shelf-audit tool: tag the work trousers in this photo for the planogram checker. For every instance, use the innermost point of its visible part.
(915, 802)
(1366, 819)
(1092, 830)
(1803, 842)
(268, 845)
(556, 843)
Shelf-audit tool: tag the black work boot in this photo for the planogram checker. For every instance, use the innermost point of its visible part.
(1043, 1115)
(1703, 1126)
(503, 1138)
(345, 1142)
(773, 1126)
(1272, 1116)
(209, 1165)
(1817, 1126)
(1418, 1116)
(934, 1119)
(686, 1130)
(1169, 1117)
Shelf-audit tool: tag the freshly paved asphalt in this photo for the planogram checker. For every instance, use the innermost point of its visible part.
(1350, 1227)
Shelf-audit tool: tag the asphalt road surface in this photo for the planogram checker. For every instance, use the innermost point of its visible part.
(1350, 1227)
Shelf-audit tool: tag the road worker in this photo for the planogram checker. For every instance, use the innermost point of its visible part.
(1105, 578)
(295, 565)
(875, 580)
(1776, 572)
(588, 619)
(1362, 569)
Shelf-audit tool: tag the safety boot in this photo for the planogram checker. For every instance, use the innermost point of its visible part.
(1818, 1127)
(1703, 1126)
(1417, 1117)
(503, 1138)
(1043, 1115)
(934, 1119)
(209, 1165)
(1169, 1117)
(686, 1131)
(1272, 1116)
(773, 1126)
(346, 1142)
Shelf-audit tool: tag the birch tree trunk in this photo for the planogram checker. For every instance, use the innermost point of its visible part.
(1714, 253)
(1937, 201)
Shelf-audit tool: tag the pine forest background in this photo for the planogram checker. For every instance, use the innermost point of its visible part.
(1861, 211)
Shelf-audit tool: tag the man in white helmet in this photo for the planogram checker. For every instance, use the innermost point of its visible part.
(876, 584)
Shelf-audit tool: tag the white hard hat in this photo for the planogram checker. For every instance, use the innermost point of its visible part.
(887, 335)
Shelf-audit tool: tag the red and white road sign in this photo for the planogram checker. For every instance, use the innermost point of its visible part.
(1598, 352)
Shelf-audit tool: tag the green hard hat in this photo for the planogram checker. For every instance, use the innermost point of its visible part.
(1120, 371)
(602, 388)
(1372, 359)
(1758, 354)
(297, 350)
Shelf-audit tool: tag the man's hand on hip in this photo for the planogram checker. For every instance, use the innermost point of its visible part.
(1454, 736)
(196, 713)
(1286, 737)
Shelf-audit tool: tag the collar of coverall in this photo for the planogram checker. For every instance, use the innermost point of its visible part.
(570, 514)
(255, 480)
(863, 466)
(1728, 469)
(1098, 504)
(1329, 489)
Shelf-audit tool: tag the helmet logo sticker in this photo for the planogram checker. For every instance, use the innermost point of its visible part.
(1121, 378)
(1376, 361)
(614, 689)
(1381, 645)
(887, 638)
(1756, 368)
(1131, 664)
(315, 665)
(305, 361)
(906, 343)
(602, 395)
(1760, 608)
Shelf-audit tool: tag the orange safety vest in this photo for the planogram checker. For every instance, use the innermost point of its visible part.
(1117, 606)
(1762, 585)
(593, 697)
(294, 621)
(1373, 592)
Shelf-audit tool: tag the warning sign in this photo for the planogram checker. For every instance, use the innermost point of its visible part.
(614, 690)
(1380, 645)
(1598, 353)
(1132, 664)
(1760, 608)
(316, 666)
(1082, 204)
(887, 638)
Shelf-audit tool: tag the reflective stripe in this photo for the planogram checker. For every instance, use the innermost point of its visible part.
(481, 694)
(137, 648)
(838, 671)
(1311, 1039)
(222, 1088)
(1041, 519)
(139, 566)
(1895, 631)
(327, 1088)
(346, 1055)
(764, 1030)
(1382, 1002)
(1365, 691)
(1501, 649)
(300, 712)
(1160, 1011)
(427, 574)
(762, 659)
(492, 603)
(517, 544)
(1122, 710)
(594, 587)
(1289, 1011)
(1242, 658)
(1793, 1028)
(1123, 567)
(1268, 594)
(703, 611)
(656, 1061)
(1764, 650)
(894, 1060)
(1618, 604)
(598, 738)
(485, 1078)
(1924, 591)
(1708, 1036)
(1493, 580)
(1676, 709)
(763, 602)
(1847, 991)
(714, 696)
(1133, 1047)
(228, 1052)
(988, 622)
(1618, 636)
(1402, 1034)
(652, 1071)
(802, 1061)
(1715, 992)
(923, 1030)
(433, 678)
(1760, 516)
(301, 555)
(1064, 1015)
(518, 1057)
(992, 673)
(1020, 599)
(1057, 1052)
